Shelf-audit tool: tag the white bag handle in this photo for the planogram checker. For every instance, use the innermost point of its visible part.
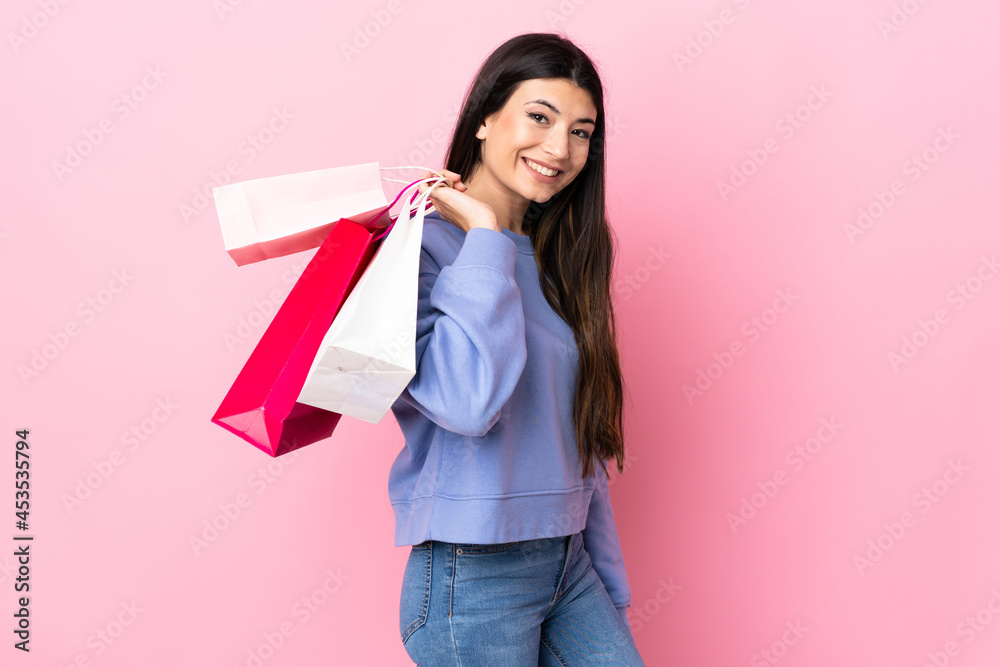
(413, 206)
(421, 202)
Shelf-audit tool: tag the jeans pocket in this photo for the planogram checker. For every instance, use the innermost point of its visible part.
(479, 549)
(416, 595)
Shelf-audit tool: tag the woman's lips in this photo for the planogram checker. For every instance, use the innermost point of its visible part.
(541, 177)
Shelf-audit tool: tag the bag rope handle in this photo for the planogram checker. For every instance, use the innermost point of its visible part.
(427, 205)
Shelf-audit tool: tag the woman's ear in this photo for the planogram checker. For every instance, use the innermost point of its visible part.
(484, 126)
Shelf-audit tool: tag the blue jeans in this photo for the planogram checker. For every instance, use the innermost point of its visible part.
(535, 603)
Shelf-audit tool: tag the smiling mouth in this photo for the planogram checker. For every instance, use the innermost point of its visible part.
(544, 171)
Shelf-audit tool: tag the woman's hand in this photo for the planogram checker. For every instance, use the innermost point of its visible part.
(458, 208)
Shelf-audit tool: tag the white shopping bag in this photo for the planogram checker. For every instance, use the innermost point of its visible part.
(281, 215)
(369, 353)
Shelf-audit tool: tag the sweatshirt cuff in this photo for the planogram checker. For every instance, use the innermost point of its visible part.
(622, 612)
(489, 248)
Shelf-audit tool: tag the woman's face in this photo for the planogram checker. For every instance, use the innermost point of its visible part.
(546, 124)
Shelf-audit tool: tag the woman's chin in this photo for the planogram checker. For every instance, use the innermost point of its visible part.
(542, 198)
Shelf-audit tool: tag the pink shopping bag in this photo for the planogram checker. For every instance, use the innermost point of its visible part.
(261, 407)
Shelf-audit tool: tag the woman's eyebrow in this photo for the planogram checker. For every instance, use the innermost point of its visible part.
(551, 106)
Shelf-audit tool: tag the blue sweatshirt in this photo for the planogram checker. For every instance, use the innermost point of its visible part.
(490, 453)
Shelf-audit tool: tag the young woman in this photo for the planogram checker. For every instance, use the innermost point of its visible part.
(501, 489)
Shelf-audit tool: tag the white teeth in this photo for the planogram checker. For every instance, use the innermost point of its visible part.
(540, 169)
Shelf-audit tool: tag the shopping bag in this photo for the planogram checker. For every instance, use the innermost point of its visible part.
(368, 356)
(261, 406)
(281, 215)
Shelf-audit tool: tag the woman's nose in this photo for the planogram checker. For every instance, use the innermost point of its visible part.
(557, 145)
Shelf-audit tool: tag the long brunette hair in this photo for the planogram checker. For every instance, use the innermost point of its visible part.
(569, 233)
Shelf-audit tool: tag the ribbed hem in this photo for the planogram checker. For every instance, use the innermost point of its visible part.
(489, 520)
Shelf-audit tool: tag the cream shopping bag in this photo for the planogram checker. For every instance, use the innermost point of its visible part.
(281, 215)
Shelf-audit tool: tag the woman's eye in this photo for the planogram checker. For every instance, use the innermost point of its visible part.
(539, 117)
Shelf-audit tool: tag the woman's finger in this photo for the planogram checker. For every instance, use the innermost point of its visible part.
(456, 179)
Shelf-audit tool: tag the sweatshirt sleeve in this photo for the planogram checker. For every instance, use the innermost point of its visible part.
(470, 344)
(600, 539)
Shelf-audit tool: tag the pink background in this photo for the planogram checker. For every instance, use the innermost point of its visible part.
(874, 549)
